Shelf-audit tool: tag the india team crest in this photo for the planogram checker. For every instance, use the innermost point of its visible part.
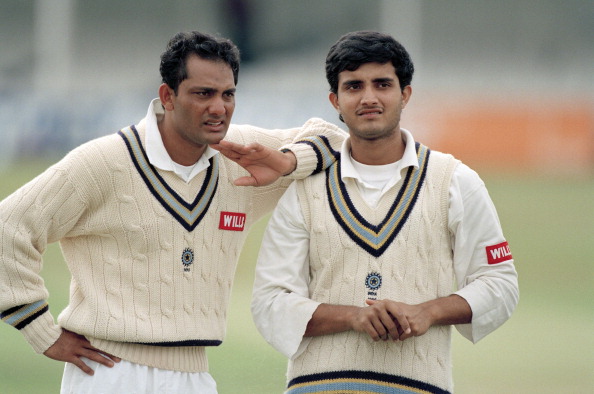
(373, 282)
(187, 259)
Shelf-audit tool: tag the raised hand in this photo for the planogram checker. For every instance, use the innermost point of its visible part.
(264, 164)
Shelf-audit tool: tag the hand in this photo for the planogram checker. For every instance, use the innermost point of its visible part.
(264, 164)
(70, 347)
(407, 320)
(381, 320)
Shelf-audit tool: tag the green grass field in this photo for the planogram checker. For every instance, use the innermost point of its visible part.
(546, 347)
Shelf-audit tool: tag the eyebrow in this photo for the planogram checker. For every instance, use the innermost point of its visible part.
(376, 80)
(212, 90)
(383, 80)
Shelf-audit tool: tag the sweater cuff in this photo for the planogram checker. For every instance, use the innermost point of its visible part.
(316, 148)
(307, 160)
(42, 332)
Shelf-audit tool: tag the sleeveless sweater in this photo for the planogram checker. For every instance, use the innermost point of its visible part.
(399, 250)
(152, 257)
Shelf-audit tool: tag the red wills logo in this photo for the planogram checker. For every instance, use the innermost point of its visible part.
(233, 221)
(498, 253)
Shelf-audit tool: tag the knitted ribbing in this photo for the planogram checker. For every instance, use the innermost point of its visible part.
(415, 267)
(138, 275)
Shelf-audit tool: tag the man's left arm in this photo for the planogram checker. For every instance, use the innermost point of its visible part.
(265, 165)
(483, 263)
(296, 153)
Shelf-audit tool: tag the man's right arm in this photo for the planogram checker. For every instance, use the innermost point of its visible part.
(28, 221)
(281, 307)
(39, 213)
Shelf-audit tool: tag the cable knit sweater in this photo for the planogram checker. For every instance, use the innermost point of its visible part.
(152, 257)
(399, 250)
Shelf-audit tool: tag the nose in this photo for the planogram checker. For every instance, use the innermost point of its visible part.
(217, 106)
(369, 97)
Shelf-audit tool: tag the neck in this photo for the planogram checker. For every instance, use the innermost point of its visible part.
(378, 152)
(179, 149)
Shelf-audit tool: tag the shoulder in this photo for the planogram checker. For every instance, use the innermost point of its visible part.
(100, 144)
(100, 155)
(436, 155)
(466, 180)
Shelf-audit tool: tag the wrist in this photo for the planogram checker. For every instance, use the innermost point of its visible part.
(290, 162)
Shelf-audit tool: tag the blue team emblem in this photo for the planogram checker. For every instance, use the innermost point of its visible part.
(187, 258)
(373, 281)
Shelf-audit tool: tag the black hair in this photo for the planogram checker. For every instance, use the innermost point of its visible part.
(360, 47)
(182, 45)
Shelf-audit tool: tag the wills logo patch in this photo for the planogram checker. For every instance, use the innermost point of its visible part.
(233, 221)
(498, 253)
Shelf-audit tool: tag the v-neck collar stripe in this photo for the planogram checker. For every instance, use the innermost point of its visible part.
(376, 238)
(187, 214)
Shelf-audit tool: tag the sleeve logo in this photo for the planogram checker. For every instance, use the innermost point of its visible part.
(233, 221)
(498, 253)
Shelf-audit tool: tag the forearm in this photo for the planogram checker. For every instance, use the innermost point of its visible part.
(385, 318)
(448, 310)
(330, 319)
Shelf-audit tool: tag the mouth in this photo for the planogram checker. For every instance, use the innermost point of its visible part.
(370, 112)
(215, 125)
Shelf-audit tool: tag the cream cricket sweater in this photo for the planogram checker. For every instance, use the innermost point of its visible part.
(401, 251)
(152, 257)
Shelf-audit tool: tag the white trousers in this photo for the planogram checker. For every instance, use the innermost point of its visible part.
(130, 378)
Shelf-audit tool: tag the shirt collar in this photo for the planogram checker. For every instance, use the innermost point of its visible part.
(409, 158)
(156, 152)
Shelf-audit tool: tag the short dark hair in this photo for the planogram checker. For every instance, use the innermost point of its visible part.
(360, 47)
(182, 45)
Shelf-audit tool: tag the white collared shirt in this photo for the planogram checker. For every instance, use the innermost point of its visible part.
(374, 181)
(157, 154)
(281, 305)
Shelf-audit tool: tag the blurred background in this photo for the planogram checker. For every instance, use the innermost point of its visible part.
(506, 86)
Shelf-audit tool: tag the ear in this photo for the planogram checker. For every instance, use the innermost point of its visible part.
(333, 97)
(406, 93)
(166, 96)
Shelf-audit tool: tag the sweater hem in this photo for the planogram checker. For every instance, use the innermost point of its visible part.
(174, 358)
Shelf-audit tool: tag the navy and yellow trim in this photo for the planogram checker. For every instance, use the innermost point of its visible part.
(375, 239)
(187, 214)
(360, 382)
(20, 316)
(189, 342)
(324, 152)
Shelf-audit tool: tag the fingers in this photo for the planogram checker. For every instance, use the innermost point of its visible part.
(375, 329)
(82, 366)
(234, 149)
(70, 347)
(391, 316)
(403, 323)
(376, 322)
(246, 181)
